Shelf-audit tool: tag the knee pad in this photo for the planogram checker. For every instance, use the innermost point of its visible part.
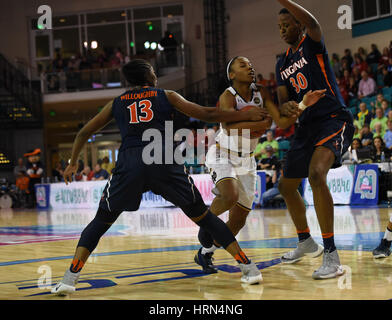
(217, 229)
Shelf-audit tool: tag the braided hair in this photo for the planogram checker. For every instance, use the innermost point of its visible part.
(136, 71)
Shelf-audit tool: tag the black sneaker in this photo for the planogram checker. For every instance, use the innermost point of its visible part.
(205, 261)
(383, 250)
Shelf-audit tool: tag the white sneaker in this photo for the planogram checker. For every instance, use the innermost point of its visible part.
(250, 273)
(67, 285)
(62, 289)
(330, 268)
(308, 248)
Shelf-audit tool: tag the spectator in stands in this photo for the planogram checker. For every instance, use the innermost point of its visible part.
(343, 90)
(345, 79)
(348, 58)
(362, 53)
(87, 174)
(107, 165)
(379, 152)
(78, 174)
(169, 44)
(384, 58)
(84, 64)
(273, 86)
(389, 115)
(57, 172)
(357, 131)
(356, 74)
(284, 133)
(262, 81)
(99, 173)
(270, 161)
(379, 119)
(390, 65)
(388, 135)
(102, 59)
(22, 184)
(364, 115)
(373, 57)
(378, 130)
(345, 66)
(367, 86)
(351, 153)
(19, 167)
(273, 191)
(385, 107)
(387, 77)
(336, 65)
(366, 135)
(360, 64)
(377, 104)
(260, 150)
(352, 88)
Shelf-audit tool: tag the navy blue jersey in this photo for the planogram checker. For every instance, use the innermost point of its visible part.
(138, 110)
(308, 68)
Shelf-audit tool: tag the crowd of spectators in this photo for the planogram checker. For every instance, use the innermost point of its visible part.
(87, 61)
(365, 82)
(101, 171)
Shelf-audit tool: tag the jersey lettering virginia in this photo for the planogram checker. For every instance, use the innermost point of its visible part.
(138, 110)
(308, 68)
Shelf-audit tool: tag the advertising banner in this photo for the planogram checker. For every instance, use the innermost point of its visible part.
(340, 184)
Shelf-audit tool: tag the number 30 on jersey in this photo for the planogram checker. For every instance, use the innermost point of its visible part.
(299, 83)
(145, 115)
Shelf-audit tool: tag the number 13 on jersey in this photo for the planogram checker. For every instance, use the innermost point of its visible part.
(146, 114)
(300, 83)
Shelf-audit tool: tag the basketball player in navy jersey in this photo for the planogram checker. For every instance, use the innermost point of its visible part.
(231, 161)
(140, 108)
(324, 133)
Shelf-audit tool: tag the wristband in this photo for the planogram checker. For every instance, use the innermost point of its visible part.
(302, 106)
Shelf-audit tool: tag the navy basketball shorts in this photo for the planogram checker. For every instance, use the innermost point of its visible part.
(131, 178)
(334, 132)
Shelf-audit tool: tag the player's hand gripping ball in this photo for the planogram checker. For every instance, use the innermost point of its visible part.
(256, 133)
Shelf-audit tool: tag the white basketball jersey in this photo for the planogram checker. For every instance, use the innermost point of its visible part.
(235, 142)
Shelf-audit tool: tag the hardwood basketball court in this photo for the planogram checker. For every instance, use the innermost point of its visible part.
(149, 255)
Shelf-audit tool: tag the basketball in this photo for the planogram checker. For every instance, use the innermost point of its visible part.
(257, 133)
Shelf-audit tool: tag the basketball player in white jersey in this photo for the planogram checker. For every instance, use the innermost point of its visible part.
(231, 161)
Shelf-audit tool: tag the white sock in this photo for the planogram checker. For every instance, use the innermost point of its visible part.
(208, 250)
(388, 235)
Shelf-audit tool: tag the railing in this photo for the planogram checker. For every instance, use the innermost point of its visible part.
(163, 62)
(205, 92)
(24, 97)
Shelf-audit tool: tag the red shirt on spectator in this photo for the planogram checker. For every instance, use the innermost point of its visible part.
(284, 133)
(362, 66)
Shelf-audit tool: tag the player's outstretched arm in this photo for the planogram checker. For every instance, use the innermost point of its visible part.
(310, 98)
(313, 27)
(96, 123)
(209, 114)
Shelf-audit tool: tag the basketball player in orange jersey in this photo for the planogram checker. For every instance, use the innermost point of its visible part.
(324, 133)
(231, 161)
(143, 107)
